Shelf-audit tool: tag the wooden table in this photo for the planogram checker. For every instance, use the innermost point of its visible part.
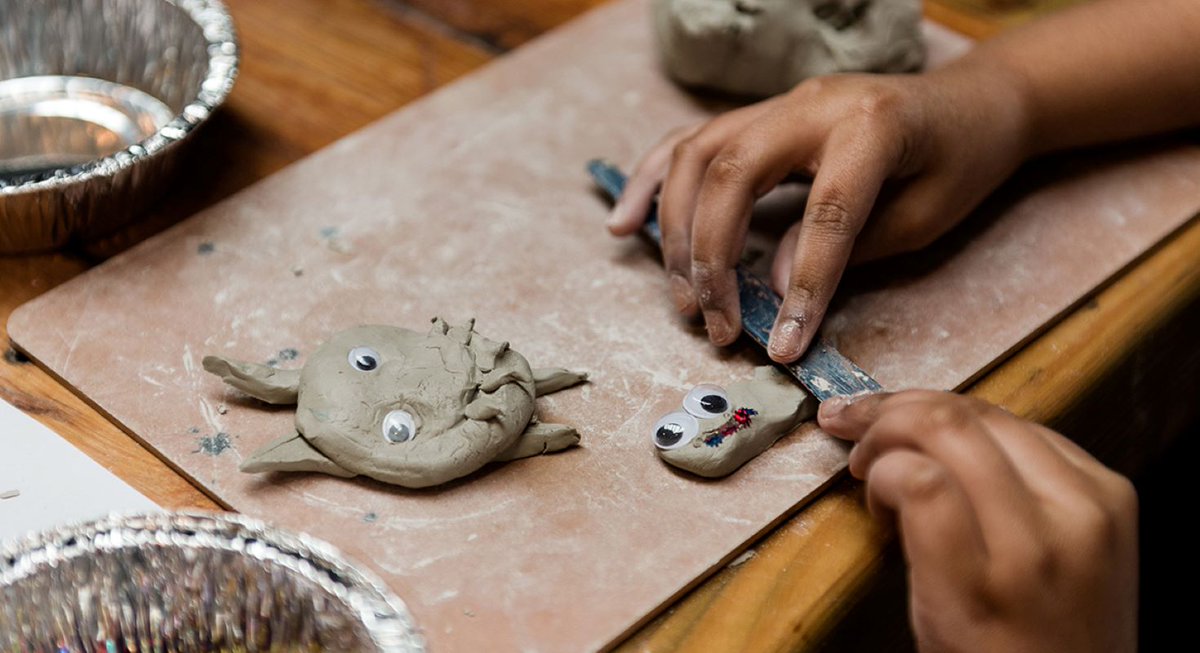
(313, 71)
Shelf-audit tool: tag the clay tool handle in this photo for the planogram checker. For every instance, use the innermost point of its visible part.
(822, 370)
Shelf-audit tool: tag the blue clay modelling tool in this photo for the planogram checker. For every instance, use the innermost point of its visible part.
(822, 370)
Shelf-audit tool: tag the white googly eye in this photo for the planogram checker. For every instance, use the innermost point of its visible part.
(399, 426)
(364, 359)
(675, 430)
(706, 400)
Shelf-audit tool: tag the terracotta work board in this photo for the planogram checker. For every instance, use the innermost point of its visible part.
(474, 203)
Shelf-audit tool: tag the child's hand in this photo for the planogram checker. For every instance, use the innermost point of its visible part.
(937, 144)
(1016, 539)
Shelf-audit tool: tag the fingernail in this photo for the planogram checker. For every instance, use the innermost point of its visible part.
(681, 292)
(785, 339)
(615, 217)
(718, 326)
(833, 406)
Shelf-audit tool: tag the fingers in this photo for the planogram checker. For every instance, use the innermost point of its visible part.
(847, 182)
(850, 417)
(676, 206)
(938, 527)
(781, 267)
(1048, 463)
(1044, 465)
(845, 130)
(916, 216)
(690, 159)
(954, 431)
(633, 206)
(736, 177)
(920, 213)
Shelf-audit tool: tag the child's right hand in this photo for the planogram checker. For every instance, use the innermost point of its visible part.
(913, 153)
(1016, 539)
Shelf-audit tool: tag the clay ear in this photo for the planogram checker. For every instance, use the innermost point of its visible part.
(271, 385)
(462, 333)
(487, 351)
(292, 453)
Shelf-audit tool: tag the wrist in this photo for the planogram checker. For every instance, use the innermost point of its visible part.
(998, 99)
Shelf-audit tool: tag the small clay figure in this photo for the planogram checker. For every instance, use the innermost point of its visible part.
(403, 407)
(720, 430)
(765, 47)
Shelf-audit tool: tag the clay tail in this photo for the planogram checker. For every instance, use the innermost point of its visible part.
(552, 379)
(269, 384)
(292, 453)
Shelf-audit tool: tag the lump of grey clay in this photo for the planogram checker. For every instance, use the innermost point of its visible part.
(403, 407)
(719, 430)
(764, 47)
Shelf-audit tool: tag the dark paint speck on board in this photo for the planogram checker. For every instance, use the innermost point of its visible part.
(215, 445)
(284, 355)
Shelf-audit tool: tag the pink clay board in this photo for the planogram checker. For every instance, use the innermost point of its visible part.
(473, 202)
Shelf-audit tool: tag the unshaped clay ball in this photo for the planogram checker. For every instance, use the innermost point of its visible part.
(765, 47)
(403, 407)
(719, 430)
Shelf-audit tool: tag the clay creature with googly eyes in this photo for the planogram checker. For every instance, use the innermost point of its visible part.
(720, 429)
(403, 407)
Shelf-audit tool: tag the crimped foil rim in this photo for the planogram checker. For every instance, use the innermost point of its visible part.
(383, 615)
(217, 26)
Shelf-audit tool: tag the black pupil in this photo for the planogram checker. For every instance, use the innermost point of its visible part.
(398, 433)
(714, 403)
(365, 362)
(669, 434)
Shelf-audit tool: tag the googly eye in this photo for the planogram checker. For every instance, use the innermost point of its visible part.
(706, 400)
(364, 359)
(399, 426)
(675, 430)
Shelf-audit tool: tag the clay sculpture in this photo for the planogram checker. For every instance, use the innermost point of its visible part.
(719, 430)
(403, 407)
(764, 47)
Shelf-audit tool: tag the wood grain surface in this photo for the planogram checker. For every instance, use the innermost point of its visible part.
(311, 73)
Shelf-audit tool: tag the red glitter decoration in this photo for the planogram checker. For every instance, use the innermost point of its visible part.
(740, 420)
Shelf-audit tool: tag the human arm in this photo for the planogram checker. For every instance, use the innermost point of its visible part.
(913, 153)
